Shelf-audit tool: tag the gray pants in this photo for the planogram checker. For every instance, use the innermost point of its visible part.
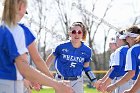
(10, 86)
(112, 82)
(125, 86)
(77, 85)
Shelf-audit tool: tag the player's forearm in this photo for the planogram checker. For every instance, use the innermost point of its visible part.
(39, 62)
(43, 67)
(50, 60)
(106, 75)
(136, 86)
(107, 81)
(129, 75)
(35, 76)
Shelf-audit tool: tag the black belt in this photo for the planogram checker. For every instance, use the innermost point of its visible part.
(68, 78)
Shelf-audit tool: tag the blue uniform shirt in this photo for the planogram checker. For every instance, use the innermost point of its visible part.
(119, 62)
(133, 60)
(12, 44)
(70, 61)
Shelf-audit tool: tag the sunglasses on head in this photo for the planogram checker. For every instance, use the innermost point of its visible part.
(74, 32)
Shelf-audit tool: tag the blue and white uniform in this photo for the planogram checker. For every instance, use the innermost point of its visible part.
(70, 61)
(133, 60)
(13, 42)
(118, 64)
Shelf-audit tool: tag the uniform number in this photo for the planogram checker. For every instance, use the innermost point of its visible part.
(73, 64)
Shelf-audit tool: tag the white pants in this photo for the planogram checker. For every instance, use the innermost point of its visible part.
(11, 86)
(77, 85)
(125, 86)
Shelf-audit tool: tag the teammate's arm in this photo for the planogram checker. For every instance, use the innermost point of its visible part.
(35, 76)
(114, 72)
(123, 80)
(39, 62)
(50, 60)
(107, 74)
(135, 87)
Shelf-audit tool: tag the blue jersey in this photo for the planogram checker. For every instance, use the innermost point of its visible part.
(133, 60)
(70, 61)
(119, 62)
(13, 42)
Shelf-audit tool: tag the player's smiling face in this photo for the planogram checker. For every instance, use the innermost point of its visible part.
(76, 34)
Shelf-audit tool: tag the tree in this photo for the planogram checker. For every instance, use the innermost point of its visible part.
(91, 21)
(63, 15)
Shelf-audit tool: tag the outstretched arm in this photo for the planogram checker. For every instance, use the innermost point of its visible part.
(90, 74)
(106, 75)
(50, 60)
(36, 76)
(39, 62)
(123, 80)
(135, 87)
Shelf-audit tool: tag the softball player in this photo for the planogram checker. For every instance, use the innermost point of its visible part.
(132, 59)
(113, 46)
(16, 40)
(118, 63)
(72, 57)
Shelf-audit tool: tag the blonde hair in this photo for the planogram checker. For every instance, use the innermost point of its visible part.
(10, 11)
(80, 24)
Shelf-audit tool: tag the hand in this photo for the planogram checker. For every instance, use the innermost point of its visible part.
(63, 88)
(97, 84)
(28, 85)
(111, 88)
(102, 87)
(36, 86)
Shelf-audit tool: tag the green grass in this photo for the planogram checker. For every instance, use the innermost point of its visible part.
(50, 90)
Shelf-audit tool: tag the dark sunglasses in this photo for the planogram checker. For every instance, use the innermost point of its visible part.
(74, 32)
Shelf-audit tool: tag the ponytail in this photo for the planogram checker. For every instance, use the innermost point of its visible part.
(10, 11)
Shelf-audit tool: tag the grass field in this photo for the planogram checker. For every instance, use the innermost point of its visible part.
(50, 90)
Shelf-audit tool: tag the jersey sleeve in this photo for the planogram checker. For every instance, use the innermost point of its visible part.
(56, 52)
(10, 47)
(111, 59)
(29, 35)
(115, 72)
(89, 55)
(130, 58)
(118, 59)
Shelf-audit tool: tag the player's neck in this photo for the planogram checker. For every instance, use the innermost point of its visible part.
(76, 44)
